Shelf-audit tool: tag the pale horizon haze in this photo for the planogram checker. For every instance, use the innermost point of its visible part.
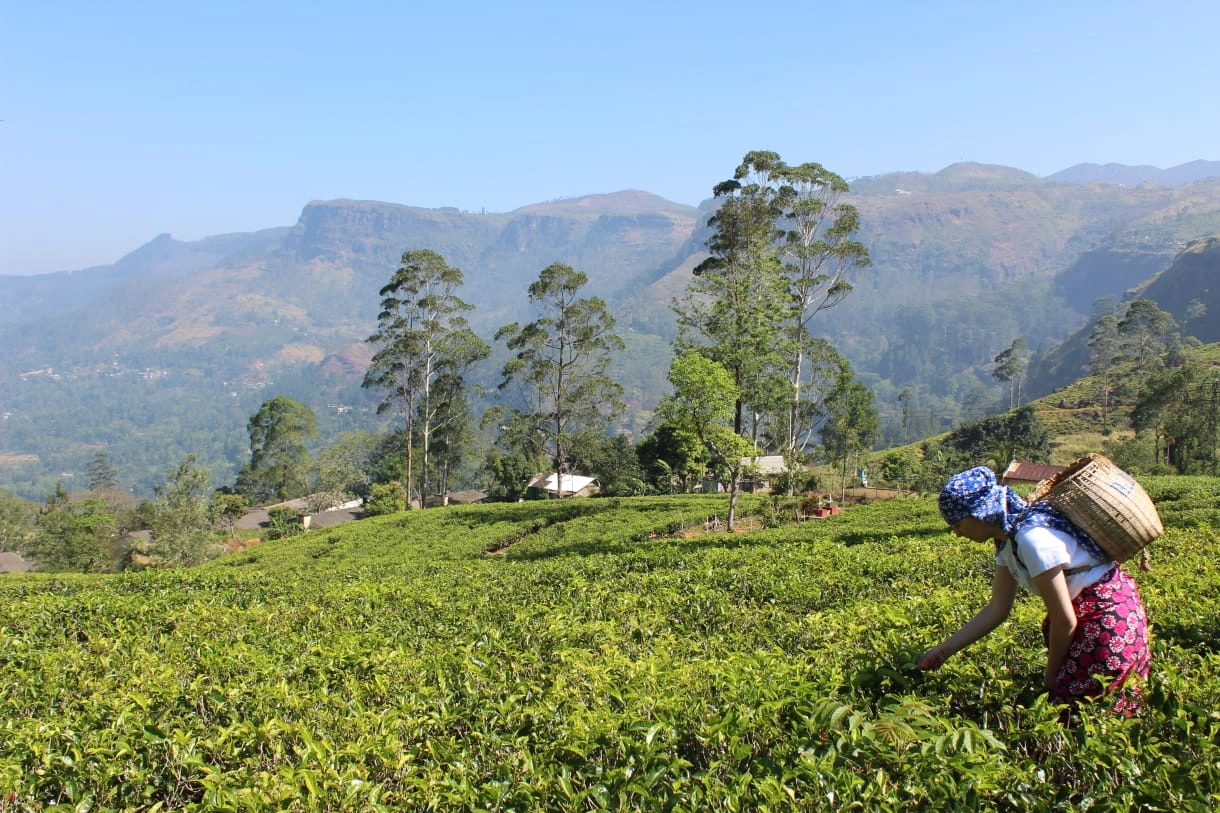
(124, 120)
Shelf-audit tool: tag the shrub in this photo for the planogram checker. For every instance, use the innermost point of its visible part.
(283, 523)
(385, 498)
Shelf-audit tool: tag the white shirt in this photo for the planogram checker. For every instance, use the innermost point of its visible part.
(1044, 548)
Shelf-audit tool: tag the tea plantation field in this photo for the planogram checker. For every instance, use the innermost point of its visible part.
(600, 661)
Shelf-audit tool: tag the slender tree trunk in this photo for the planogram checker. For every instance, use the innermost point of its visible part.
(734, 489)
(410, 430)
(558, 457)
(426, 435)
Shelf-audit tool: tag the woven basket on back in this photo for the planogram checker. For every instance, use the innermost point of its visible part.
(1106, 503)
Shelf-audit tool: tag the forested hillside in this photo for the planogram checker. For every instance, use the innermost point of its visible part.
(1187, 290)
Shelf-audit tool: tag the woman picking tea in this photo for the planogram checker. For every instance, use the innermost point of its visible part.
(1095, 630)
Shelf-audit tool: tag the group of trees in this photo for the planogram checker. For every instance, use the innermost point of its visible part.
(1175, 408)
(782, 250)
(424, 349)
(90, 531)
(559, 398)
(749, 375)
(1139, 363)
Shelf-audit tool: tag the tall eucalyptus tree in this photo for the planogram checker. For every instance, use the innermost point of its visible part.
(559, 363)
(423, 337)
(782, 250)
(736, 303)
(820, 257)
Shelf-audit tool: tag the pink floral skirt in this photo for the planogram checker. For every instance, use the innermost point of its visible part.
(1110, 645)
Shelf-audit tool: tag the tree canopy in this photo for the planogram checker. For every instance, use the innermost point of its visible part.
(424, 348)
(559, 367)
(279, 467)
(781, 251)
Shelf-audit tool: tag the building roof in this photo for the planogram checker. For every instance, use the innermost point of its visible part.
(572, 483)
(12, 562)
(766, 464)
(1029, 472)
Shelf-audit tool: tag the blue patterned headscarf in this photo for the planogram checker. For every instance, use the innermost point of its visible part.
(976, 493)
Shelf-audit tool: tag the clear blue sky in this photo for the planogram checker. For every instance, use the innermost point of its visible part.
(122, 120)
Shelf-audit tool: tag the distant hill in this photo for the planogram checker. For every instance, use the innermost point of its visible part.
(171, 349)
(961, 177)
(25, 298)
(1132, 176)
(1188, 288)
(1108, 272)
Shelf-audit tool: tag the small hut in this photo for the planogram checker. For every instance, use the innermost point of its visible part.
(762, 472)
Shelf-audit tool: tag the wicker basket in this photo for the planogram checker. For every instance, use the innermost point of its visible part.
(1106, 503)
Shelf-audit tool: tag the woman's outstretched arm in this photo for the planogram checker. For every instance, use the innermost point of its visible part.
(1003, 591)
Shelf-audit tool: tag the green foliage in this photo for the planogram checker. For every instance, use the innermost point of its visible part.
(1145, 333)
(284, 522)
(673, 458)
(72, 535)
(1010, 365)
(737, 301)
(102, 475)
(508, 475)
(181, 520)
(424, 350)
(602, 661)
(279, 466)
(559, 366)
(1180, 409)
(615, 464)
(346, 466)
(851, 420)
(385, 498)
(228, 508)
(900, 467)
(704, 403)
(1135, 454)
(16, 521)
(1020, 429)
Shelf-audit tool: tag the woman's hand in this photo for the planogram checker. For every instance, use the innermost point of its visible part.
(934, 658)
(1003, 590)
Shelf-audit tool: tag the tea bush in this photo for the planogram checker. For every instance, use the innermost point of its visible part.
(592, 655)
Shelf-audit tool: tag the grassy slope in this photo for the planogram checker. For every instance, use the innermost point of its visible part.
(593, 665)
(1072, 415)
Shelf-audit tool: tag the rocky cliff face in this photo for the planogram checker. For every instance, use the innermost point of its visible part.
(609, 238)
(373, 234)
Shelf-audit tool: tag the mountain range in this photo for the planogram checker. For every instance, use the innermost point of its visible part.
(1131, 176)
(170, 349)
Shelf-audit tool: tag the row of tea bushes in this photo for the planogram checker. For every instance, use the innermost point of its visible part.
(597, 661)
